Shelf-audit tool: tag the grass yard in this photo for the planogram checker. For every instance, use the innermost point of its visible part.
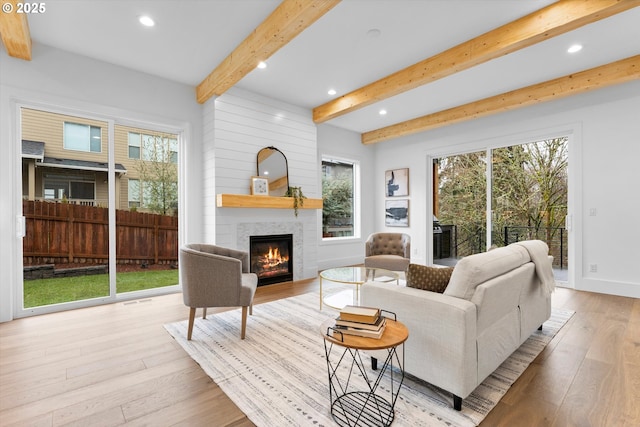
(54, 291)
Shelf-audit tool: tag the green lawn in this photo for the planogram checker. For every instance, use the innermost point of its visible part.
(58, 290)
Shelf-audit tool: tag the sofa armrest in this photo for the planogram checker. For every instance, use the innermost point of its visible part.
(441, 348)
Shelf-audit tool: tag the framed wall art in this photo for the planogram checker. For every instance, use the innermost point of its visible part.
(396, 182)
(396, 213)
(259, 186)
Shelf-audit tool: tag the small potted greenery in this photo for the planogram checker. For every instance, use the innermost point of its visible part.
(298, 198)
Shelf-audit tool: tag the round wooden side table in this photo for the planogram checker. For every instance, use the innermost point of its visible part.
(355, 398)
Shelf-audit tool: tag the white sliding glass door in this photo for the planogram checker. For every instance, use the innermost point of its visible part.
(65, 202)
(522, 193)
(100, 201)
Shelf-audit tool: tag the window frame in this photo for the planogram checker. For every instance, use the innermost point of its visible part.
(129, 145)
(92, 130)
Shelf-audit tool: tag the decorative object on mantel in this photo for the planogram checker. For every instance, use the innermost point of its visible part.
(298, 198)
(272, 165)
(259, 186)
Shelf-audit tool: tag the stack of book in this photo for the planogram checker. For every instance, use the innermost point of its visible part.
(360, 321)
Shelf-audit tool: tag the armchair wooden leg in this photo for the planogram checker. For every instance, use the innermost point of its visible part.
(251, 309)
(192, 316)
(244, 322)
(204, 313)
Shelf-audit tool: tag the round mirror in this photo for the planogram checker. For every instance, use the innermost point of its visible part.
(272, 164)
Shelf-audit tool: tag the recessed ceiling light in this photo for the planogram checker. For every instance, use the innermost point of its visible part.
(574, 48)
(262, 65)
(374, 33)
(382, 112)
(146, 21)
(332, 92)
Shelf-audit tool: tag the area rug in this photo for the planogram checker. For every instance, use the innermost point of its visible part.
(278, 374)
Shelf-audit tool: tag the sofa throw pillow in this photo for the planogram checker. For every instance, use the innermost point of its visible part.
(434, 279)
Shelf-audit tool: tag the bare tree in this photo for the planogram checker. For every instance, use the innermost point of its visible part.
(463, 190)
(529, 189)
(158, 171)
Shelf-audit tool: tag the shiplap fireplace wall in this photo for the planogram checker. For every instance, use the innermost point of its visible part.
(236, 126)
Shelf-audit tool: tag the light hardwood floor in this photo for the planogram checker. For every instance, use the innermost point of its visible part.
(115, 364)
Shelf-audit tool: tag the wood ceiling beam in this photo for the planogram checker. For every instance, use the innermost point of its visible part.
(595, 78)
(548, 22)
(14, 30)
(288, 20)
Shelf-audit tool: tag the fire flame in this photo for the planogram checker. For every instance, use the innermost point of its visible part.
(273, 258)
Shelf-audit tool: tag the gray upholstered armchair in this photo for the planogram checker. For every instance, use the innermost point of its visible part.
(391, 251)
(213, 276)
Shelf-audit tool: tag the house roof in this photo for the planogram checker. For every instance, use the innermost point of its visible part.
(32, 150)
(35, 150)
(54, 162)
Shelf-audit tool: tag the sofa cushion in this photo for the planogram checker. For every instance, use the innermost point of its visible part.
(434, 279)
(475, 269)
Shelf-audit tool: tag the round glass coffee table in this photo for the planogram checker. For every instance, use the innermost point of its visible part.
(353, 276)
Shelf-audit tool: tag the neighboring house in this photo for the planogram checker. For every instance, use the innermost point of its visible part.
(64, 158)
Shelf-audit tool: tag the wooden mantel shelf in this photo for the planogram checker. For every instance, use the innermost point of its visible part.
(264, 202)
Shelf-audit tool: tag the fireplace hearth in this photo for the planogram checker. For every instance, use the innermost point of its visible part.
(271, 258)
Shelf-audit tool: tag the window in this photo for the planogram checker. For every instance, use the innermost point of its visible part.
(141, 193)
(82, 137)
(134, 145)
(134, 192)
(59, 187)
(339, 178)
(153, 148)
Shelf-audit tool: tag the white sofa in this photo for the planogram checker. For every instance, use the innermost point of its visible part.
(492, 304)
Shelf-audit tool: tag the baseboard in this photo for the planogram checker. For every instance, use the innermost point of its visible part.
(623, 289)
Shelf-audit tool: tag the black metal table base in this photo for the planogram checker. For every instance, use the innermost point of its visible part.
(363, 408)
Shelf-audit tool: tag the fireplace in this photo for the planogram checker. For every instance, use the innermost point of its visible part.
(271, 258)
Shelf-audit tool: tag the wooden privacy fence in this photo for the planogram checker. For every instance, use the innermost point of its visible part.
(61, 233)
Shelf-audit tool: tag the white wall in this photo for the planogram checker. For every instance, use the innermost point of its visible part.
(604, 174)
(345, 144)
(238, 125)
(604, 126)
(60, 79)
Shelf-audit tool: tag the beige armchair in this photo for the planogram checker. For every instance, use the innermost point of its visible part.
(213, 276)
(391, 251)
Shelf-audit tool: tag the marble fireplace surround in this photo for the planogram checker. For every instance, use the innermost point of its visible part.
(246, 230)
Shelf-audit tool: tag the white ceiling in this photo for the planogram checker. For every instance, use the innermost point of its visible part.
(191, 37)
